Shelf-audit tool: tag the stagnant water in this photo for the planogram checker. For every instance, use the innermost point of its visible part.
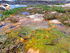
(1, 26)
(0, 14)
(24, 13)
(16, 6)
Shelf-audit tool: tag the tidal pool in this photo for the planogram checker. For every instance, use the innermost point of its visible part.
(16, 6)
(24, 13)
(0, 14)
(1, 26)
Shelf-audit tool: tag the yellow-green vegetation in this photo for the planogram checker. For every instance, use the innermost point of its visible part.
(14, 41)
(48, 41)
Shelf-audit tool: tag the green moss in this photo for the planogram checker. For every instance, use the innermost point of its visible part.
(7, 14)
(36, 6)
(59, 4)
(12, 44)
(59, 9)
(3, 17)
(47, 41)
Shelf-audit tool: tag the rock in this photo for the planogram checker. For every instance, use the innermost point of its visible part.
(60, 27)
(66, 21)
(67, 4)
(31, 16)
(55, 21)
(36, 15)
(32, 51)
(38, 20)
(54, 12)
(14, 20)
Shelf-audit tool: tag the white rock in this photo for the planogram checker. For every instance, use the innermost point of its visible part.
(37, 19)
(54, 21)
(54, 12)
(31, 16)
(35, 16)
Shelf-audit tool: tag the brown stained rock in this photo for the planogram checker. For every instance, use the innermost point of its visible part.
(32, 51)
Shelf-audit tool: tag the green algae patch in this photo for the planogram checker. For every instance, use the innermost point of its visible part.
(7, 13)
(48, 41)
(14, 41)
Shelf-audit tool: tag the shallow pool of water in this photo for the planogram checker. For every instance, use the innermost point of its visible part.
(16, 6)
(0, 14)
(2, 25)
(25, 13)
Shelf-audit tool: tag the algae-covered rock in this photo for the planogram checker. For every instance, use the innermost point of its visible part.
(48, 41)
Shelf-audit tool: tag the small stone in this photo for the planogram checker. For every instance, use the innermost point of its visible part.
(47, 36)
(54, 12)
(32, 51)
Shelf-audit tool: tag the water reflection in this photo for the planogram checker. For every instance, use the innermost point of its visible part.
(2, 25)
(25, 13)
(0, 14)
(16, 6)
